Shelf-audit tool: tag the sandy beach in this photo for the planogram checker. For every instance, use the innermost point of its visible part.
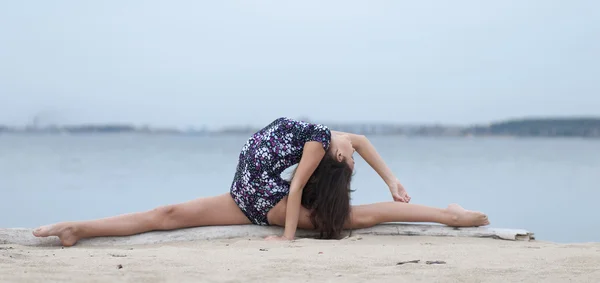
(354, 259)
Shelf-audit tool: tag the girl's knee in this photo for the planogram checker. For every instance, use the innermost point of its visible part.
(162, 217)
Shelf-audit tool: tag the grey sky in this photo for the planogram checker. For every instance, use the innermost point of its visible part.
(192, 63)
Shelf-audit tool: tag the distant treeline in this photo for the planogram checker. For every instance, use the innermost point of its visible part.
(101, 129)
(556, 127)
(550, 127)
(75, 129)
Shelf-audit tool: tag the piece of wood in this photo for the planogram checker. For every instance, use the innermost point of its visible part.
(22, 236)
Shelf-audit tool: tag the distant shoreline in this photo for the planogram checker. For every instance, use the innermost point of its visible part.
(533, 127)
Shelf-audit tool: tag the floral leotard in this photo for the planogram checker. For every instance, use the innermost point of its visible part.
(258, 186)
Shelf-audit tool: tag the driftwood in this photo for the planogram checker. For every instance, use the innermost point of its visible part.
(22, 236)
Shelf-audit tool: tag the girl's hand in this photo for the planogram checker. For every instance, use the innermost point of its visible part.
(277, 238)
(398, 192)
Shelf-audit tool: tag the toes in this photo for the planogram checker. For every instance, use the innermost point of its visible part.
(38, 232)
(44, 231)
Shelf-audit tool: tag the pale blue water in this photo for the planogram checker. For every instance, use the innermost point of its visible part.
(548, 186)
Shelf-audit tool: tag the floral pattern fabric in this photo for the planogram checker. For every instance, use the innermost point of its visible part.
(258, 186)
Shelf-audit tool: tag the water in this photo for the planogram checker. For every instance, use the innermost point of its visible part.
(548, 186)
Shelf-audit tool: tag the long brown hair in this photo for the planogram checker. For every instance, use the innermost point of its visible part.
(327, 195)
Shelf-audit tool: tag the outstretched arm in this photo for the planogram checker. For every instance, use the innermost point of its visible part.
(367, 151)
(311, 157)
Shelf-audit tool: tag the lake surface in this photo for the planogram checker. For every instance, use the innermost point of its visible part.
(548, 186)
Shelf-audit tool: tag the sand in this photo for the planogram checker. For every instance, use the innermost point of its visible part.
(355, 259)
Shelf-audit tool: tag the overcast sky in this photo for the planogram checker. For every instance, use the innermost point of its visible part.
(193, 63)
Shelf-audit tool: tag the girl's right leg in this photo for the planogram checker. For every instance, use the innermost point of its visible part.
(218, 210)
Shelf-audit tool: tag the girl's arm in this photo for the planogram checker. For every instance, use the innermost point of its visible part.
(312, 154)
(367, 151)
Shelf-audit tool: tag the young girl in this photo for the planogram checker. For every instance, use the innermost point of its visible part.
(317, 197)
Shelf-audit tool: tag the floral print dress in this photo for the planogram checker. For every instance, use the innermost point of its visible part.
(258, 186)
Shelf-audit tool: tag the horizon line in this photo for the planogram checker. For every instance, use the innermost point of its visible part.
(310, 120)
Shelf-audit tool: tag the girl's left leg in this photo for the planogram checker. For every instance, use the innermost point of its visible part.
(364, 216)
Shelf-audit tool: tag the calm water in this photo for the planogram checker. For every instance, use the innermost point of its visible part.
(548, 186)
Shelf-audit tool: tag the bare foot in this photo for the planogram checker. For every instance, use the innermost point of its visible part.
(466, 218)
(64, 231)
